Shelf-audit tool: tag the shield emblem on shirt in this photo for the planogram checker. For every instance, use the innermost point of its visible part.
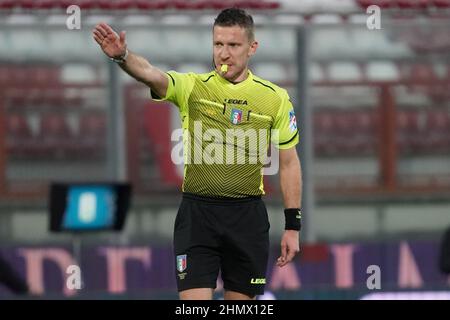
(292, 121)
(236, 116)
(181, 262)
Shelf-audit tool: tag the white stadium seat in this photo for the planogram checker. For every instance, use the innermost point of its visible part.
(382, 71)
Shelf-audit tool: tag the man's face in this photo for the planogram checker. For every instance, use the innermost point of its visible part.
(233, 48)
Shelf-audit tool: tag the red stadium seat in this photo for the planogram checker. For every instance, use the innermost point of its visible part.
(323, 122)
(7, 4)
(422, 72)
(140, 4)
(408, 121)
(344, 133)
(45, 4)
(413, 4)
(103, 4)
(26, 4)
(183, 5)
(18, 134)
(91, 141)
(55, 126)
(17, 126)
(199, 5)
(152, 5)
(438, 131)
(64, 3)
(55, 137)
(364, 136)
(216, 4)
(4, 74)
(444, 4)
(414, 132)
(93, 124)
(343, 122)
(438, 121)
(381, 3)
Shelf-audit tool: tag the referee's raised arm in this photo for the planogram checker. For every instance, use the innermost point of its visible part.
(115, 47)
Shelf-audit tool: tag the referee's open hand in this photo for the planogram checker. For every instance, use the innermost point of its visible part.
(290, 246)
(112, 44)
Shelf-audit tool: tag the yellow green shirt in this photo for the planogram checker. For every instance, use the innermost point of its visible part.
(227, 129)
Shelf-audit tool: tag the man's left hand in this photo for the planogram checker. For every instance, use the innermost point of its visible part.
(290, 246)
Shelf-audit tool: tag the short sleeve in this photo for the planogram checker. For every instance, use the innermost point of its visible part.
(178, 90)
(286, 135)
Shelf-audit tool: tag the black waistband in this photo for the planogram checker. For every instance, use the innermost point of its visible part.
(220, 200)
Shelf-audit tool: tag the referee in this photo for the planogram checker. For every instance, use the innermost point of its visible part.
(222, 223)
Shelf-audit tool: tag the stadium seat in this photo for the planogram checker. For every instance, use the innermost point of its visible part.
(274, 72)
(345, 133)
(93, 124)
(7, 4)
(181, 40)
(19, 135)
(438, 131)
(139, 4)
(91, 141)
(408, 120)
(78, 73)
(341, 71)
(443, 4)
(412, 133)
(55, 137)
(323, 133)
(382, 71)
(26, 4)
(152, 5)
(332, 40)
(4, 74)
(316, 72)
(124, 4)
(422, 72)
(27, 40)
(438, 120)
(381, 3)
(413, 4)
(365, 135)
(193, 67)
(17, 128)
(45, 4)
(89, 4)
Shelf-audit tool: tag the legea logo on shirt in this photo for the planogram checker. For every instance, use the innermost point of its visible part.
(236, 101)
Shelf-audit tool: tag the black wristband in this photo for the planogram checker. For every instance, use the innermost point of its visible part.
(293, 218)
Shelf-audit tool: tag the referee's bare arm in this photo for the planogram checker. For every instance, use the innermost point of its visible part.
(291, 188)
(114, 46)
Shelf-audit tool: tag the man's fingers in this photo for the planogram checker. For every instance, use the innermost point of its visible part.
(98, 34)
(287, 257)
(102, 29)
(98, 39)
(122, 37)
(282, 259)
(281, 263)
(107, 28)
(283, 251)
(290, 255)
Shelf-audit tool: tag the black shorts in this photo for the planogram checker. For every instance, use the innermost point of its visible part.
(230, 235)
